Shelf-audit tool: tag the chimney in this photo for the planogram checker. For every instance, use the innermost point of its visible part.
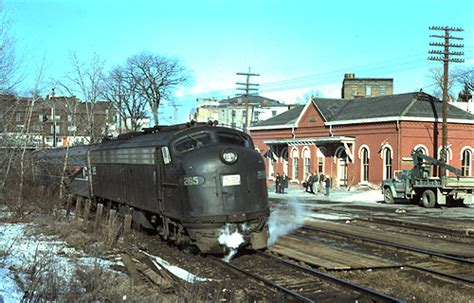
(349, 76)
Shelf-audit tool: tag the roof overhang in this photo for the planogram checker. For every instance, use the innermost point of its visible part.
(397, 118)
(270, 127)
(310, 141)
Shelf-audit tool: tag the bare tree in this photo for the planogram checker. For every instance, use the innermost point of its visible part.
(465, 78)
(156, 78)
(8, 61)
(436, 75)
(86, 81)
(122, 90)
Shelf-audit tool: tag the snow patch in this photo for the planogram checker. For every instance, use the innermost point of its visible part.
(175, 270)
(329, 217)
(21, 251)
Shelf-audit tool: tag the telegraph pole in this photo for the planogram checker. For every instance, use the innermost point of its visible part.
(444, 56)
(247, 87)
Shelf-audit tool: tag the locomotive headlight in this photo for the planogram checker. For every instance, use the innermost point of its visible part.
(229, 156)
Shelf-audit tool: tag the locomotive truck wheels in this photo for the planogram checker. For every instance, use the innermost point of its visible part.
(428, 199)
(388, 196)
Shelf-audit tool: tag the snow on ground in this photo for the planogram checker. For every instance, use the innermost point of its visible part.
(335, 195)
(18, 251)
(175, 270)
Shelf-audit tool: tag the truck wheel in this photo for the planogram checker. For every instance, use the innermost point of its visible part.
(388, 196)
(428, 199)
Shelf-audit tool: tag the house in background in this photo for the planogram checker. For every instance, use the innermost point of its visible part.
(353, 87)
(361, 141)
(56, 121)
(232, 112)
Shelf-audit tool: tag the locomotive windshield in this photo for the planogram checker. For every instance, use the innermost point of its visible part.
(192, 141)
(233, 138)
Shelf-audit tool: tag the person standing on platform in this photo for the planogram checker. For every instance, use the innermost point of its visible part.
(327, 185)
(321, 180)
(284, 183)
(314, 184)
(277, 183)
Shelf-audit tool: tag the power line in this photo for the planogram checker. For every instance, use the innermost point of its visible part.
(310, 80)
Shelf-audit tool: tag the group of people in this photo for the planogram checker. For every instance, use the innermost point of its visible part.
(315, 179)
(281, 182)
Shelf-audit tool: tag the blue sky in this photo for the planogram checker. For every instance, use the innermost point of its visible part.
(295, 46)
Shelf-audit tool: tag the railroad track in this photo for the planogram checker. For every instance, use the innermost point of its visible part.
(460, 269)
(418, 226)
(302, 283)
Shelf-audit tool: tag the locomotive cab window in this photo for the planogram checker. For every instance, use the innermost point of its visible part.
(234, 139)
(192, 141)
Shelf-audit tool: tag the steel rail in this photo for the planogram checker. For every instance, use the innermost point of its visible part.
(400, 223)
(267, 282)
(400, 246)
(455, 277)
(339, 281)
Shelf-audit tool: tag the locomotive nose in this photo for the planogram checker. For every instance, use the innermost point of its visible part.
(235, 184)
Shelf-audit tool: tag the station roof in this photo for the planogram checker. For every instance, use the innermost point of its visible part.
(417, 106)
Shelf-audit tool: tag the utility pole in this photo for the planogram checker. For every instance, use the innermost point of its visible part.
(53, 114)
(175, 111)
(247, 87)
(444, 56)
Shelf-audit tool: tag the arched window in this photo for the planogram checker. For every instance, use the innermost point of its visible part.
(364, 162)
(449, 157)
(466, 158)
(321, 157)
(421, 148)
(387, 154)
(307, 161)
(294, 155)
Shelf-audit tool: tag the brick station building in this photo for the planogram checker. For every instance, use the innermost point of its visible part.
(362, 141)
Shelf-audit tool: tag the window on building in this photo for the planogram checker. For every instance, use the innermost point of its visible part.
(355, 92)
(274, 112)
(388, 163)
(368, 90)
(321, 165)
(466, 163)
(256, 116)
(233, 113)
(295, 164)
(18, 117)
(69, 118)
(383, 90)
(320, 154)
(307, 162)
(422, 150)
(58, 129)
(365, 165)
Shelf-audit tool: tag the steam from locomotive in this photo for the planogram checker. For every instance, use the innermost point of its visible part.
(188, 182)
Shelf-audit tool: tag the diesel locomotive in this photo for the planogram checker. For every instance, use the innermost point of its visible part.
(188, 182)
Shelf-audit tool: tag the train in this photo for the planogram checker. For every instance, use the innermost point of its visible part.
(189, 182)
